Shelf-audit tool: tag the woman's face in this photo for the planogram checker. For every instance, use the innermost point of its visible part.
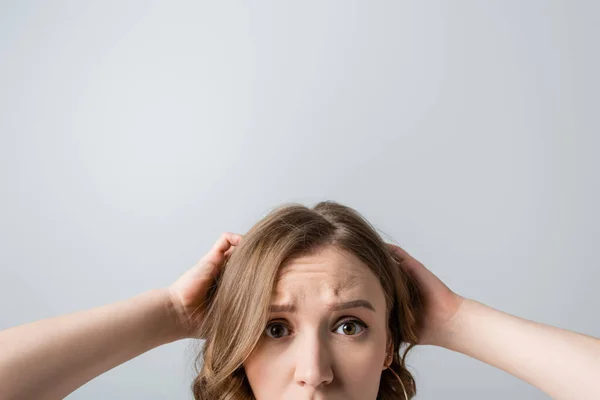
(317, 351)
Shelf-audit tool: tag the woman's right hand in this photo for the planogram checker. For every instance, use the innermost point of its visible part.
(188, 293)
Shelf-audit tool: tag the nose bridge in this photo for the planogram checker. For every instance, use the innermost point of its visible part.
(313, 358)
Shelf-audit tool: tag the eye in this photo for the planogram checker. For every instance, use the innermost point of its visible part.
(278, 328)
(352, 331)
(275, 328)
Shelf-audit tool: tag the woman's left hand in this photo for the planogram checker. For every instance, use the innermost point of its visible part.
(441, 304)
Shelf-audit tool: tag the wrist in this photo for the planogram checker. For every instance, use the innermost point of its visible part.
(449, 334)
(175, 328)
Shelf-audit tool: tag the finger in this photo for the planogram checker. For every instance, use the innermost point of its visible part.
(404, 259)
(217, 254)
(412, 265)
(225, 241)
(399, 251)
(229, 251)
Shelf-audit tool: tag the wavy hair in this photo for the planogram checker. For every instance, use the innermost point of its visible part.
(237, 305)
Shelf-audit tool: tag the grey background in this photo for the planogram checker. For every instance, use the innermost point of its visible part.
(134, 133)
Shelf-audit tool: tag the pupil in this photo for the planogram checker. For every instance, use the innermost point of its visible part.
(274, 329)
(351, 330)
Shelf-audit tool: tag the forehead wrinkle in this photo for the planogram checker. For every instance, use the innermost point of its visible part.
(322, 286)
(350, 282)
(346, 274)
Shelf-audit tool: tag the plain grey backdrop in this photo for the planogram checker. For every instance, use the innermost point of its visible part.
(133, 133)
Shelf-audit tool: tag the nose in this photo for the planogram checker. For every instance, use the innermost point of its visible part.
(313, 362)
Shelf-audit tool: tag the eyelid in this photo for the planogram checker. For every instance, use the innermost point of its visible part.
(341, 320)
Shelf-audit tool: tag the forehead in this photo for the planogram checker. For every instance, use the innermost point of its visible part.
(330, 270)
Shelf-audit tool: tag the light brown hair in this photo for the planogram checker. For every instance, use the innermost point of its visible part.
(237, 306)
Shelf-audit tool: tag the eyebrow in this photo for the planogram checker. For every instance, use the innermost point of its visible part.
(333, 307)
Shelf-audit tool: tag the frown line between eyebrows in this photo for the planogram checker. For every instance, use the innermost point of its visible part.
(332, 307)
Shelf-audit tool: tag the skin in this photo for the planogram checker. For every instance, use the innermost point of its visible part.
(314, 352)
(79, 346)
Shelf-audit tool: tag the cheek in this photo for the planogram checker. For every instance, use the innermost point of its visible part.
(264, 372)
(361, 364)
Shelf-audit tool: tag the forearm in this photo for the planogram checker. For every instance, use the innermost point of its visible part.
(562, 363)
(50, 358)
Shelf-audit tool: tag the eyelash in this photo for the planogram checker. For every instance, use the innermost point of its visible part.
(349, 320)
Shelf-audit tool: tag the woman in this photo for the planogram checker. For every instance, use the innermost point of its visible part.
(273, 309)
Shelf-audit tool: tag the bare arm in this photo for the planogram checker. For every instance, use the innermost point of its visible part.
(50, 358)
(561, 363)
